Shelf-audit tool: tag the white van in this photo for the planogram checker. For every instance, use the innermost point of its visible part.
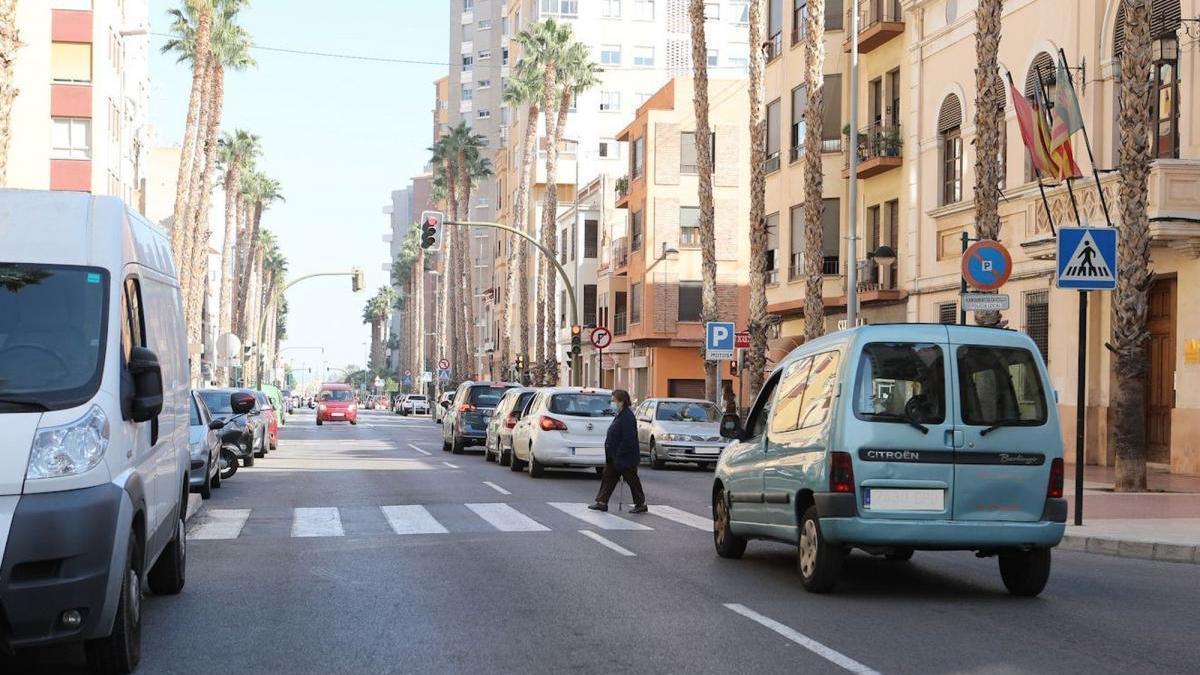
(93, 423)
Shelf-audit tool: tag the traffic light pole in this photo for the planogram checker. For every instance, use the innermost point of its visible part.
(262, 324)
(576, 368)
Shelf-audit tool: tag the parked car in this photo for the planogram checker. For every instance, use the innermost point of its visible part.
(562, 426)
(444, 402)
(898, 438)
(278, 402)
(466, 421)
(336, 403)
(270, 416)
(204, 444)
(679, 430)
(244, 433)
(499, 432)
(414, 404)
(398, 404)
(94, 422)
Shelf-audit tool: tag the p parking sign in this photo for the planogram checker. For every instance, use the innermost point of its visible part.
(719, 340)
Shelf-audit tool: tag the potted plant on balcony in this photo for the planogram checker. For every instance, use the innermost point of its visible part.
(892, 142)
(622, 186)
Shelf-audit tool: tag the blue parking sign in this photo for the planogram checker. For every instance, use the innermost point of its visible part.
(1087, 258)
(719, 340)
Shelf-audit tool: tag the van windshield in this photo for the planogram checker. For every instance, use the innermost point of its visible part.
(1000, 385)
(344, 395)
(52, 331)
(901, 382)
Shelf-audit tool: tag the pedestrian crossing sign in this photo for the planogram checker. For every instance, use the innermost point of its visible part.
(1087, 258)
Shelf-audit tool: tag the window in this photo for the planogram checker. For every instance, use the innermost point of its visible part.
(484, 24)
(635, 302)
(713, 58)
(483, 84)
(799, 105)
(610, 8)
(637, 159)
(609, 149)
(712, 11)
(468, 62)
(133, 325)
(947, 312)
(756, 423)
(562, 246)
(582, 405)
(635, 231)
(468, 5)
(835, 14)
(950, 139)
(504, 56)
(901, 383)
(562, 304)
(589, 304)
(467, 94)
(1000, 386)
(1037, 320)
(796, 260)
(689, 227)
(772, 162)
(591, 238)
(740, 64)
(610, 55)
(688, 163)
(71, 138)
(831, 237)
(893, 96)
(560, 7)
(772, 247)
(820, 390)
(790, 397)
(741, 11)
(643, 10)
(70, 62)
(643, 56)
(483, 113)
(831, 119)
(1165, 102)
(485, 54)
(799, 20)
(610, 101)
(689, 300)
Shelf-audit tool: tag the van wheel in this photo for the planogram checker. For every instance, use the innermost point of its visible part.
(819, 562)
(1025, 573)
(536, 468)
(121, 650)
(900, 554)
(655, 462)
(229, 464)
(169, 573)
(728, 544)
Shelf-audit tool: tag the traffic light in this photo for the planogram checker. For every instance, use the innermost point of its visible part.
(356, 280)
(520, 362)
(576, 339)
(431, 229)
(733, 368)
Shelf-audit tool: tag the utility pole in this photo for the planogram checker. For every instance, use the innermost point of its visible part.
(852, 244)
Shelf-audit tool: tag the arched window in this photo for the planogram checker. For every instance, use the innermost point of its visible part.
(1164, 48)
(1000, 96)
(949, 128)
(1043, 65)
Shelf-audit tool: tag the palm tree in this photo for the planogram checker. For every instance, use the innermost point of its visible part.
(375, 313)
(406, 272)
(704, 169)
(9, 41)
(444, 183)
(236, 150)
(261, 191)
(1130, 307)
(989, 120)
(814, 205)
(757, 356)
(274, 267)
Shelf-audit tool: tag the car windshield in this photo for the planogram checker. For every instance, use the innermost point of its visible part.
(583, 405)
(52, 334)
(901, 382)
(218, 402)
(341, 395)
(1000, 385)
(686, 411)
(486, 396)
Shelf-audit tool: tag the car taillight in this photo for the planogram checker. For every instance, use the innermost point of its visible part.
(510, 421)
(1055, 488)
(551, 424)
(841, 473)
(466, 407)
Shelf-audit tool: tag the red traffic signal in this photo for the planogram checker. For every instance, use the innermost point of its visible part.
(431, 229)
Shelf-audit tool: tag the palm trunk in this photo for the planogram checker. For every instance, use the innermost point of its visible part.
(704, 168)
(253, 248)
(1130, 306)
(468, 307)
(450, 284)
(185, 224)
(517, 304)
(757, 356)
(549, 209)
(814, 207)
(232, 190)
(9, 42)
(989, 117)
(239, 267)
(191, 129)
(199, 254)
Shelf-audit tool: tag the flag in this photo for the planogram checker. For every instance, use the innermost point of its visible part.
(1066, 105)
(1038, 150)
(1056, 140)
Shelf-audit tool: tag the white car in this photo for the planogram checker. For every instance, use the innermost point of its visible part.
(679, 430)
(415, 404)
(562, 427)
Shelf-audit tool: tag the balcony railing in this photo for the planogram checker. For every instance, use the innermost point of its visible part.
(879, 149)
(771, 163)
(831, 266)
(620, 252)
(774, 46)
(878, 22)
(620, 324)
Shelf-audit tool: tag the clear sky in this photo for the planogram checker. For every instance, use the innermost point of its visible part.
(339, 135)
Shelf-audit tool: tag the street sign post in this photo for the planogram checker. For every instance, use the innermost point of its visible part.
(443, 364)
(718, 340)
(601, 337)
(426, 376)
(981, 302)
(986, 265)
(443, 374)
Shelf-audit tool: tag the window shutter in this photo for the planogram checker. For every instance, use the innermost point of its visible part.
(947, 312)
(950, 116)
(1045, 63)
(1164, 19)
(1037, 320)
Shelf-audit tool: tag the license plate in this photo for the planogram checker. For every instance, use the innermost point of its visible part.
(339, 414)
(588, 452)
(899, 499)
(707, 451)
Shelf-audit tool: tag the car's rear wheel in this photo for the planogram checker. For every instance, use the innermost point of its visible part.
(819, 562)
(728, 544)
(516, 465)
(206, 486)
(1025, 573)
(505, 458)
(655, 462)
(121, 650)
(215, 481)
(488, 456)
(248, 460)
(456, 446)
(536, 468)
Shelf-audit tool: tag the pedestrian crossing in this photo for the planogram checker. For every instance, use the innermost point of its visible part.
(439, 519)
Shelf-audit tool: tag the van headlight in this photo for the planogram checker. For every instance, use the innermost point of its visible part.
(71, 448)
(321, 407)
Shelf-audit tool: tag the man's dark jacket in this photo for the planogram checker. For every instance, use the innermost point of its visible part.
(621, 444)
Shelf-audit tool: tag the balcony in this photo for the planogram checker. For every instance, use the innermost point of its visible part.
(879, 150)
(878, 22)
(622, 191)
(620, 323)
(620, 255)
(774, 46)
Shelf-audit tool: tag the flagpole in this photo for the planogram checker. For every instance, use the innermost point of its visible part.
(1087, 142)
(1037, 174)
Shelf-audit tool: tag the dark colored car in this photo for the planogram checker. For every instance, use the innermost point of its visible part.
(248, 432)
(466, 420)
(205, 446)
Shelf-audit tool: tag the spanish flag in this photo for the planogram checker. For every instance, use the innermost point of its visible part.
(1036, 142)
(1057, 140)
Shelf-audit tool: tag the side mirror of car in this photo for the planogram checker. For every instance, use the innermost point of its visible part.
(147, 400)
(446, 405)
(731, 426)
(216, 425)
(241, 402)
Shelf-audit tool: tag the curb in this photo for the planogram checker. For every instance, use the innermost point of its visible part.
(193, 505)
(1124, 548)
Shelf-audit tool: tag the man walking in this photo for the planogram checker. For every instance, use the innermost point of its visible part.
(621, 456)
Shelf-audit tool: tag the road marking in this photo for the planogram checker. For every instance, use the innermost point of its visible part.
(317, 522)
(599, 519)
(507, 519)
(608, 544)
(452, 466)
(412, 519)
(831, 655)
(683, 517)
(423, 452)
(497, 488)
(220, 524)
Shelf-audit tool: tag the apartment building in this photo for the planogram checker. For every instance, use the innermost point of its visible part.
(399, 213)
(80, 121)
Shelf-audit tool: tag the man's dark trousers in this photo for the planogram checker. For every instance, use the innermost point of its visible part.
(608, 483)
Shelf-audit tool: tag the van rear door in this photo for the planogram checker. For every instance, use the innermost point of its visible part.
(903, 436)
(1010, 435)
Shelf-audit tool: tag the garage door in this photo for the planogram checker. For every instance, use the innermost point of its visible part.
(685, 388)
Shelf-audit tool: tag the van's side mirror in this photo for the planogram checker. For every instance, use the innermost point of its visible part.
(731, 426)
(147, 400)
(216, 425)
(241, 402)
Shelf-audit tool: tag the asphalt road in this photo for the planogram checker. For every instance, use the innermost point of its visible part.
(367, 550)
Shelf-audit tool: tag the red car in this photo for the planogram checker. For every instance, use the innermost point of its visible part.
(336, 403)
(270, 417)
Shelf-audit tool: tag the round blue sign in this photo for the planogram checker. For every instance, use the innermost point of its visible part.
(986, 265)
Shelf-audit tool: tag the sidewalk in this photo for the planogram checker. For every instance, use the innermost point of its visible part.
(1162, 524)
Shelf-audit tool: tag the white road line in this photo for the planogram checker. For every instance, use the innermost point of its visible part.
(683, 517)
(318, 521)
(423, 452)
(497, 488)
(608, 544)
(452, 466)
(599, 519)
(412, 519)
(507, 519)
(831, 655)
(220, 524)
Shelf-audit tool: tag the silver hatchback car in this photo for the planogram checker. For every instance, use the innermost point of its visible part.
(679, 430)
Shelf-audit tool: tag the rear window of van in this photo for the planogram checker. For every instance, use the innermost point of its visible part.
(1000, 385)
(901, 382)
